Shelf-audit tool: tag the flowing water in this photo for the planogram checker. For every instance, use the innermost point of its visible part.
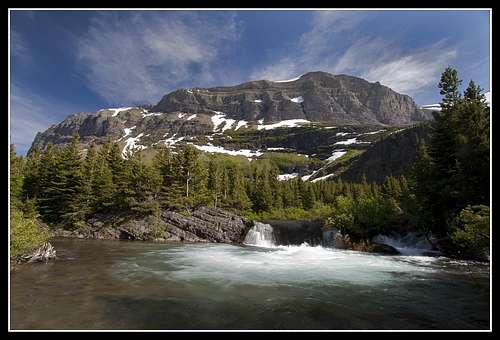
(139, 285)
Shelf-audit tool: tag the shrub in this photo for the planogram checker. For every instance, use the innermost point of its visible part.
(26, 234)
(471, 231)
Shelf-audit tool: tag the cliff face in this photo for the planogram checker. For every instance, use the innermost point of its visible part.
(315, 96)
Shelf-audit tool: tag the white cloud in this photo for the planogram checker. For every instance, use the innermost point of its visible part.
(311, 50)
(335, 44)
(137, 58)
(30, 114)
(414, 72)
(19, 48)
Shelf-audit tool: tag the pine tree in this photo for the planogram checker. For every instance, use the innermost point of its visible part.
(16, 177)
(71, 186)
(142, 185)
(214, 181)
(31, 184)
(472, 149)
(238, 198)
(422, 183)
(443, 146)
(88, 191)
(189, 157)
(61, 180)
(308, 198)
(47, 201)
(170, 168)
(450, 88)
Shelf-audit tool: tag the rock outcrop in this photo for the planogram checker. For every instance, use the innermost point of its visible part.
(200, 225)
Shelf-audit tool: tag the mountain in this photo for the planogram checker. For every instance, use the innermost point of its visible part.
(313, 126)
(262, 105)
(315, 96)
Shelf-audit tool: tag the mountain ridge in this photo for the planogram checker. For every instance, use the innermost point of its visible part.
(339, 99)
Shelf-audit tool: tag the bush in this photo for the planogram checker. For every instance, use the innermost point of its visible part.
(319, 211)
(471, 231)
(26, 234)
(342, 218)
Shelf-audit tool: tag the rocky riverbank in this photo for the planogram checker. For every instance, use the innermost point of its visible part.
(200, 224)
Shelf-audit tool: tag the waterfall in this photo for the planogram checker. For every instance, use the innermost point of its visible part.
(410, 244)
(260, 235)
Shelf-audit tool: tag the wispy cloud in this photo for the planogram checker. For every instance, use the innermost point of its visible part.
(414, 72)
(30, 113)
(137, 57)
(336, 44)
(19, 50)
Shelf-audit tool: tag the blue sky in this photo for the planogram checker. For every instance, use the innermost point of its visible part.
(64, 62)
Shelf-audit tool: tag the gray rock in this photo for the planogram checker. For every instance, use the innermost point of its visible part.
(384, 249)
(202, 225)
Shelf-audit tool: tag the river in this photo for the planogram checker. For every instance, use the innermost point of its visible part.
(139, 285)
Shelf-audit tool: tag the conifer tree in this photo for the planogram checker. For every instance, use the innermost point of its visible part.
(69, 185)
(31, 184)
(214, 183)
(238, 197)
(16, 177)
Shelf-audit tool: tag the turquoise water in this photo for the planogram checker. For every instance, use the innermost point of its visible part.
(139, 285)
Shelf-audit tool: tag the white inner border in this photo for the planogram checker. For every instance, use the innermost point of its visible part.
(251, 9)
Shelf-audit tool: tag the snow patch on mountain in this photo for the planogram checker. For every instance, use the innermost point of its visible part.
(191, 117)
(306, 177)
(433, 107)
(116, 111)
(241, 123)
(336, 154)
(298, 99)
(127, 131)
(286, 177)
(130, 144)
(350, 141)
(371, 133)
(283, 123)
(144, 115)
(218, 120)
(172, 140)
(257, 101)
(322, 178)
(219, 149)
(287, 80)
(341, 134)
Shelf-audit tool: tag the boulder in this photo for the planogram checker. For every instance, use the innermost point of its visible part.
(384, 249)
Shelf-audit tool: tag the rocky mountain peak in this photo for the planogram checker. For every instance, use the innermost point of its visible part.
(315, 96)
(192, 114)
